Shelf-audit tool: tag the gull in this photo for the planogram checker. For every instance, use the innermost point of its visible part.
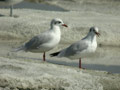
(81, 48)
(46, 40)
(9, 3)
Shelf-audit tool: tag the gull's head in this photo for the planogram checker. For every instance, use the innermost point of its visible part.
(95, 30)
(57, 22)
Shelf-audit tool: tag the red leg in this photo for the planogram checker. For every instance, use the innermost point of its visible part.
(80, 63)
(44, 56)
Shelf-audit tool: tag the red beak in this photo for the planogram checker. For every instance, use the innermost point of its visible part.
(98, 34)
(64, 25)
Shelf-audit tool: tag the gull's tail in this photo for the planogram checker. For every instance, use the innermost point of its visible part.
(54, 54)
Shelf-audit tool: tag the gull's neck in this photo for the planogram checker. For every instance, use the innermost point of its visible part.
(55, 29)
(91, 37)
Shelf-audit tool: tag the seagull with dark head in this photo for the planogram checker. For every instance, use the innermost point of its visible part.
(46, 40)
(81, 48)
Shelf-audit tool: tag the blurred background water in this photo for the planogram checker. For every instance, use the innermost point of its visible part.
(38, 6)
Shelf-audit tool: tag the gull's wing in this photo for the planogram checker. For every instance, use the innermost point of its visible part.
(74, 49)
(36, 41)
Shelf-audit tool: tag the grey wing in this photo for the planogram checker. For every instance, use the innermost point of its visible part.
(75, 48)
(36, 41)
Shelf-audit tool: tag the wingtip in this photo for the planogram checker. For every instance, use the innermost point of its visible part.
(18, 49)
(51, 55)
(54, 54)
(15, 50)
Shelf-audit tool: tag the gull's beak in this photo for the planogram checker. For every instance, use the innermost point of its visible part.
(98, 34)
(64, 25)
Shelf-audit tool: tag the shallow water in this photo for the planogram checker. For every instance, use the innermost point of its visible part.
(108, 68)
(39, 6)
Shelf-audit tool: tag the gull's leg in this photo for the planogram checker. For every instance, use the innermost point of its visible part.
(44, 56)
(80, 63)
(11, 10)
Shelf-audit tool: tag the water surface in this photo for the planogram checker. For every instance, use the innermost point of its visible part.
(108, 68)
(38, 6)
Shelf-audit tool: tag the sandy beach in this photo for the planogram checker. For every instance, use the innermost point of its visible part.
(26, 71)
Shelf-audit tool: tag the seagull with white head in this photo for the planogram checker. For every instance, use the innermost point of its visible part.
(46, 40)
(81, 48)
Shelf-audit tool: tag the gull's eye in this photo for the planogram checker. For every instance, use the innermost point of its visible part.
(90, 29)
(94, 30)
(59, 22)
